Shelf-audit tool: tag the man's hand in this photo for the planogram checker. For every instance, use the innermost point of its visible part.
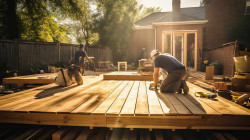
(155, 88)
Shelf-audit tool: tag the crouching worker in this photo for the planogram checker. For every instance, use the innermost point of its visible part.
(79, 57)
(175, 80)
(68, 76)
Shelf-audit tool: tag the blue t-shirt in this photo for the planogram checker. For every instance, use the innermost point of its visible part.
(79, 56)
(167, 62)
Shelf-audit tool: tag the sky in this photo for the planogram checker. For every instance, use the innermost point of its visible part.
(166, 5)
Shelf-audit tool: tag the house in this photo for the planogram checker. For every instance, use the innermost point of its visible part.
(187, 33)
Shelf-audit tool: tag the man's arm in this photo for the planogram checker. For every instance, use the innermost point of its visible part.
(156, 76)
(89, 59)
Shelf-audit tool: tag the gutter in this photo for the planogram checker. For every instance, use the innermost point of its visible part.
(180, 23)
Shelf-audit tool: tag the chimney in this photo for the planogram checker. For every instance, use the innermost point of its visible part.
(176, 6)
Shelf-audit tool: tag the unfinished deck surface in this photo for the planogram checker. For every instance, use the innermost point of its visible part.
(46, 78)
(120, 104)
(128, 76)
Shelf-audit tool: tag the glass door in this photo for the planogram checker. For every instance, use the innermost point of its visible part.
(167, 46)
(178, 48)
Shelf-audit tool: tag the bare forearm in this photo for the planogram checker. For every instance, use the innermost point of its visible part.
(156, 76)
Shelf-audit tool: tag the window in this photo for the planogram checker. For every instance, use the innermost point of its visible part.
(247, 7)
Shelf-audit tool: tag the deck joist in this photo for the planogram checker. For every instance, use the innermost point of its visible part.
(120, 104)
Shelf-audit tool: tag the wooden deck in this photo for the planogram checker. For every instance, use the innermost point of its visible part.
(120, 104)
(128, 76)
(46, 78)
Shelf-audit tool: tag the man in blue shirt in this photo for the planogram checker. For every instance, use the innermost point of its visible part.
(175, 80)
(80, 55)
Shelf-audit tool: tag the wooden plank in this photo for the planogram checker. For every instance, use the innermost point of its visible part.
(191, 107)
(104, 106)
(72, 134)
(116, 107)
(166, 105)
(204, 107)
(83, 134)
(46, 78)
(129, 106)
(141, 108)
(132, 135)
(36, 134)
(209, 73)
(221, 105)
(144, 134)
(60, 133)
(53, 119)
(180, 108)
(158, 135)
(153, 102)
(25, 134)
(59, 94)
(95, 96)
(27, 97)
(127, 76)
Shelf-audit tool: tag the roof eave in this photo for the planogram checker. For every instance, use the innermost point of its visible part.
(180, 23)
(143, 27)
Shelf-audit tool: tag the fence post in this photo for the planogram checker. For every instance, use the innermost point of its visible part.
(59, 55)
(18, 58)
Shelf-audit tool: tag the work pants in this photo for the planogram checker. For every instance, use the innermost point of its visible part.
(174, 81)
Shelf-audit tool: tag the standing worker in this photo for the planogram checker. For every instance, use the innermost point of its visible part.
(80, 55)
(175, 80)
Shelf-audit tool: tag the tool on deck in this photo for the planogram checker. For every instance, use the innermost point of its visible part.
(205, 95)
(152, 87)
(242, 99)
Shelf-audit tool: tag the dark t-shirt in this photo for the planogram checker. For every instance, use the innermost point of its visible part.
(167, 62)
(80, 53)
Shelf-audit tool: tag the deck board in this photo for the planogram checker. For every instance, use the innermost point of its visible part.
(46, 78)
(154, 105)
(116, 107)
(141, 108)
(105, 105)
(95, 96)
(127, 76)
(129, 106)
(122, 103)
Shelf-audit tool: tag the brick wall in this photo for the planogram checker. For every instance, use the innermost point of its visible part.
(141, 39)
(220, 15)
(224, 55)
(199, 29)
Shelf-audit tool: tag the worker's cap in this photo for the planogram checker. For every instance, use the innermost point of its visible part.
(154, 52)
(81, 45)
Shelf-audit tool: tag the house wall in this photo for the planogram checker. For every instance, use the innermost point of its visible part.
(141, 39)
(224, 55)
(199, 29)
(220, 15)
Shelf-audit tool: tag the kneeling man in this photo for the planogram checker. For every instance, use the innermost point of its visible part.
(175, 80)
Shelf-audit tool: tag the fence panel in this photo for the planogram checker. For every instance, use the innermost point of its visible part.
(21, 55)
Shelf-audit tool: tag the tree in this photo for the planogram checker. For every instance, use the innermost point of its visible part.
(38, 19)
(115, 25)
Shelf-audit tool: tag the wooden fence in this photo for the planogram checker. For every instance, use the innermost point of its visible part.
(20, 55)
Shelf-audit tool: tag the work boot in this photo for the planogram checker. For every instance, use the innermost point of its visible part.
(180, 91)
(185, 87)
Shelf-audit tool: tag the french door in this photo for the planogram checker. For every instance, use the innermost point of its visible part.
(182, 45)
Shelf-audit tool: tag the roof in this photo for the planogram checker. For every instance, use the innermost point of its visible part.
(186, 14)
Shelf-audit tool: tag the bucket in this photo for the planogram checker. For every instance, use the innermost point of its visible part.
(242, 63)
